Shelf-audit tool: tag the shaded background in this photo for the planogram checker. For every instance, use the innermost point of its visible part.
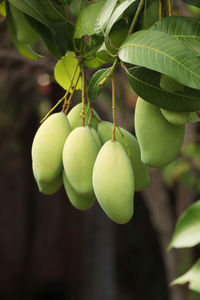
(50, 250)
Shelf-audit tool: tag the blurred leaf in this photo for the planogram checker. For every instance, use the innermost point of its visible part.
(76, 6)
(104, 16)
(24, 32)
(3, 8)
(185, 29)
(87, 18)
(23, 48)
(187, 231)
(117, 14)
(193, 118)
(64, 70)
(160, 52)
(146, 83)
(192, 277)
(193, 2)
(93, 88)
(174, 170)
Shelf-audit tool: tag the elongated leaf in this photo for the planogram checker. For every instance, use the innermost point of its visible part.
(150, 14)
(192, 277)
(23, 48)
(104, 15)
(76, 6)
(146, 83)
(28, 8)
(93, 88)
(3, 8)
(160, 52)
(64, 70)
(86, 20)
(185, 29)
(193, 2)
(187, 231)
(117, 14)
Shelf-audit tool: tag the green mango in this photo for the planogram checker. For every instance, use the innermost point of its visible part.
(81, 202)
(130, 144)
(79, 154)
(24, 32)
(75, 119)
(113, 182)
(159, 140)
(96, 137)
(175, 117)
(48, 188)
(48, 145)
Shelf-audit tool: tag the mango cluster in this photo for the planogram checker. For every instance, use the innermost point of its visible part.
(89, 163)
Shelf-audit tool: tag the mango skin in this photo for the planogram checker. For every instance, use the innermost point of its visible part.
(79, 155)
(141, 175)
(75, 119)
(97, 137)
(113, 182)
(48, 188)
(80, 202)
(48, 145)
(175, 117)
(159, 140)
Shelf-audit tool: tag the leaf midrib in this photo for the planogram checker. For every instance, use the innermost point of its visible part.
(161, 52)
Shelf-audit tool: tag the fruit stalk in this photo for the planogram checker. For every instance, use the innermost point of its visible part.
(83, 93)
(113, 108)
(70, 97)
(140, 6)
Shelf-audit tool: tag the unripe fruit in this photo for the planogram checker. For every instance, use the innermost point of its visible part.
(48, 188)
(141, 176)
(79, 154)
(96, 137)
(75, 118)
(48, 145)
(113, 182)
(81, 202)
(175, 117)
(159, 140)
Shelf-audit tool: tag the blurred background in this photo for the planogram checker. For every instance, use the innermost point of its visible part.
(50, 250)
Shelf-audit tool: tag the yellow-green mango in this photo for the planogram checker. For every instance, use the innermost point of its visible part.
(175, 117)
(81, 202)
(113, 182)
(96, 137)
(79, 154)
(48, 145)
(130, 144)
(75, 118)
(159, 140)
(24, 32)
(48, 188)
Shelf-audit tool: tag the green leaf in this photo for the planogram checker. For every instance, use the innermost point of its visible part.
(64, 70)
(192, 277)
(86, 20)
(23, 48)
(29, 8)
(117, 14)
(192, 2)
(150, 14)
(185, 29)
(93, 87)
(158, 51)
(3, 8)
(76, 6)
(104, 16)
(187, 231)
(146, 83)
(59, 40)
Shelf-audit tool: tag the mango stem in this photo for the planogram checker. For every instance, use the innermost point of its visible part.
(113, 108)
